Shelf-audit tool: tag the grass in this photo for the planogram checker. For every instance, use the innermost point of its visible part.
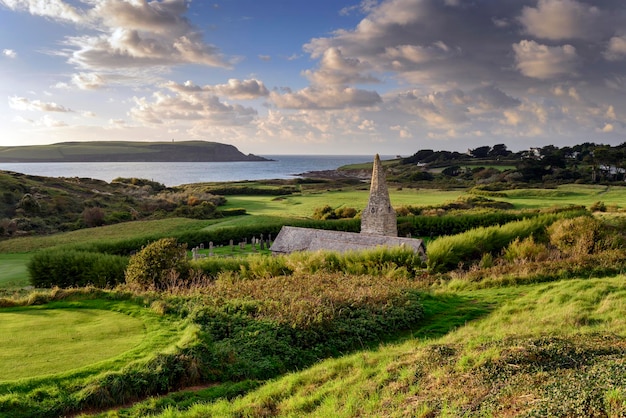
(543, 350)
(109, 233)
(570, 194)
(13, 271)
(38, 341)
(303, 205)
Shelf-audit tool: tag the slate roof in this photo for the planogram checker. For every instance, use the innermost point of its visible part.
(291, 238)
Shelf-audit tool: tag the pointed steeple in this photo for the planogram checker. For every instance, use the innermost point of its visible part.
(379, 217)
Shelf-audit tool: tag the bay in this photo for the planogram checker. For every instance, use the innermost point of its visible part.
(174, 174)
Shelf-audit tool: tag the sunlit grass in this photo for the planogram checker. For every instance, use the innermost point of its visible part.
(126, 230)
(39, 341)
(474, 369)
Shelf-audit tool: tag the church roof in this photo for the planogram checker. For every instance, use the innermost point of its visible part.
(291, 238)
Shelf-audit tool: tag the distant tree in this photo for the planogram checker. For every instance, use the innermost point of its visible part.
(480, 152)
(419, 156)
(499, 150)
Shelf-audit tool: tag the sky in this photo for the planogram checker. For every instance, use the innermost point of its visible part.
(315, 77)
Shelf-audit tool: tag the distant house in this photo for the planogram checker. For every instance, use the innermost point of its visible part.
(378, 227)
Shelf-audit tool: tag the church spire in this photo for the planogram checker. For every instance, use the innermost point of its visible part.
(378, 217)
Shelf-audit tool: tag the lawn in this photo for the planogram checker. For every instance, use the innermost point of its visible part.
(570, 194)
(13, 272)
(37, 341)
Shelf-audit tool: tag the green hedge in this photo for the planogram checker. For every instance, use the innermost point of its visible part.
(71, 268)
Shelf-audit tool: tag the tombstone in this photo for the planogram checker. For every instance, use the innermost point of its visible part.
(202, 245)
(194, 252)
(232, 247)
(262, 244)
(211, 249)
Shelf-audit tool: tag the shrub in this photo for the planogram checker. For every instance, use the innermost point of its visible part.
(598, 207)
(93, 216)
(526, 249)
(576, 236)
(151, 267)
(72, 268)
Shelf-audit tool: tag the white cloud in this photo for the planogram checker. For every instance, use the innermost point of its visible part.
(335, 69)
(88, 81)
(616, 49)
(545, 62)
(9, 53)
(234, 89)
(325, 98)
(166, 109)
(561, 19)
(56, 9)
(23, 103)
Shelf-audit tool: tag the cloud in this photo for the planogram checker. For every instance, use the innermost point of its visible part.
(544, 62)
(55, 9)
(616, 49)
(325, 98)
(561, 19)
(9, 53)
(234, 89)
(335, 69)
(23, 103)
(128, 34)
(189, 107)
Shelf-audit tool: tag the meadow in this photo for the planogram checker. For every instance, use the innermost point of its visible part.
(524, 326)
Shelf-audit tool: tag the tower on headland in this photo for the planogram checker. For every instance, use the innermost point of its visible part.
(379, 217)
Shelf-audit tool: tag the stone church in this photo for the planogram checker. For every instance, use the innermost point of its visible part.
(379, 227)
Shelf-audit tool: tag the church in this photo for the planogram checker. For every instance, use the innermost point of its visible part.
(379, 227)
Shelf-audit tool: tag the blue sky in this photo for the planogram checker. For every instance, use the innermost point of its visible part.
(318, 77)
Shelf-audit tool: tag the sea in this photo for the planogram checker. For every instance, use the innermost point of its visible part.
(175, 174)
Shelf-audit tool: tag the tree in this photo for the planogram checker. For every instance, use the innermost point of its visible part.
(480, 152)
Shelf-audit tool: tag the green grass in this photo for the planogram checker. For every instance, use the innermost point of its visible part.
(13, 271)
(544, 350)
(110, 233)
(571, 194)
(303, 205)
(38, 341)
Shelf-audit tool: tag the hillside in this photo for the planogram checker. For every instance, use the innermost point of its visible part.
(121, 151)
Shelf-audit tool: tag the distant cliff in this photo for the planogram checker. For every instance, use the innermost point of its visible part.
(121, 151)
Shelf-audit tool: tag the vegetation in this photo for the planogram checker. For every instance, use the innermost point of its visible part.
(519, 310)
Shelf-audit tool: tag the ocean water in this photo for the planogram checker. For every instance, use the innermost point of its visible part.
(174, 174)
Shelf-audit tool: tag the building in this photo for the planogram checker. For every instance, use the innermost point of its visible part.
(379, 227)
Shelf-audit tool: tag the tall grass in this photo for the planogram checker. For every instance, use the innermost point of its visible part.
(448, 252)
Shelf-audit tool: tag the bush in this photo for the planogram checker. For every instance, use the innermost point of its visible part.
(575, 237)
(71, 268)
(151, 267)
(521, 250)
